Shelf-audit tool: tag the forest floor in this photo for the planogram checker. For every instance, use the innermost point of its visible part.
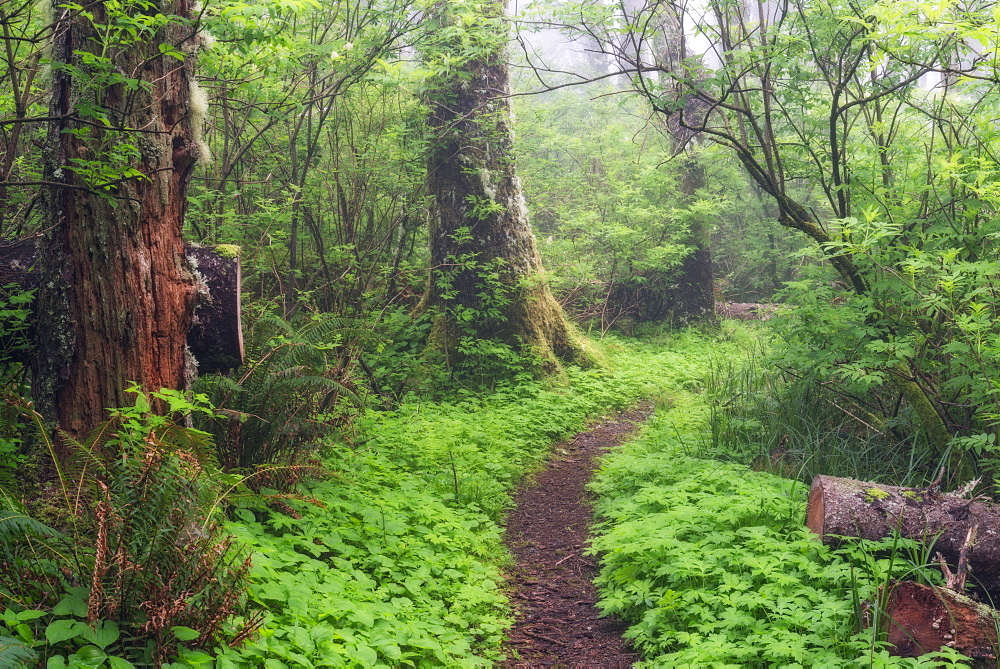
(558, 623)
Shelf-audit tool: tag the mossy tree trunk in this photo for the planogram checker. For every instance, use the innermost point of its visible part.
(487, 280)
(694, 292)
(116, 292)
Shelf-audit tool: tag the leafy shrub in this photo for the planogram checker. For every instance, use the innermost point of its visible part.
(14, 313)
(275, 409)
(137, 563)
(799, 427)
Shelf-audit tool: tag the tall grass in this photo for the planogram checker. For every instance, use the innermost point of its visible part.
(797, 427)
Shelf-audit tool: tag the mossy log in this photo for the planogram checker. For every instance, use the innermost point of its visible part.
(846, 507)
(216, 335)
(924, 619)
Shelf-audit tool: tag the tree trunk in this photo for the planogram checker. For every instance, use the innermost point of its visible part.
(845, 507)
(924, 619)
(694, 298)
(216, 335)
(487, 280)
(116, 292)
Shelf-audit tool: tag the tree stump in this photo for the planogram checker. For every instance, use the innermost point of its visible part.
(924, 619)
(845, 507)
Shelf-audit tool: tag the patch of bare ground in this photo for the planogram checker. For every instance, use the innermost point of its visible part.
(558, 624)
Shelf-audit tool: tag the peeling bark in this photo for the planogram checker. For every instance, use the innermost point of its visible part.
(924, 619)
(116, 292)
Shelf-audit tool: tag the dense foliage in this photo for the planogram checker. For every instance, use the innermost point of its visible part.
(839, 158)
(709, 561)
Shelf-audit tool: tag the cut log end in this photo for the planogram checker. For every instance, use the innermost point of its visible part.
(925, 619)
(815, 509)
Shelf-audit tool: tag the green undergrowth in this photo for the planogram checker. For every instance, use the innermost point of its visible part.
(396, 558)
(710, 564)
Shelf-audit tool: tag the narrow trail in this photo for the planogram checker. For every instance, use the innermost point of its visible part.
(558, 624)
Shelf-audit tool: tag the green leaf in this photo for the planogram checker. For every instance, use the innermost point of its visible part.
(120, 663)
(64, 629)
(185, 633)
(245, 515)
(71, 606)
(104, 634)
(197, 658)
(88, 656)
(363, 617)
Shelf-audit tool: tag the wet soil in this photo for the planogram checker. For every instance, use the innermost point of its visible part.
(558, 624)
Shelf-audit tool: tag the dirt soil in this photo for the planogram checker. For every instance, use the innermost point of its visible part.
(558, 624)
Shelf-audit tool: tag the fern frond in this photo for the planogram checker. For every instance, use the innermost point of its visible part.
(14, 653)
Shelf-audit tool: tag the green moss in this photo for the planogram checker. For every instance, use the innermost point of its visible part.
(873, 494)
(910, 494)
(228, 250)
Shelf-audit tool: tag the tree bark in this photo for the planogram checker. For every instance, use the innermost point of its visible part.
(216, 335)
(116, 292)
(845, 507)
(694, 298)
(487, 280)
(924, 619)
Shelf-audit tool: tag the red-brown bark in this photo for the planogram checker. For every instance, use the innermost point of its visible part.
(216, 336)
(924, 619)
(116, 292)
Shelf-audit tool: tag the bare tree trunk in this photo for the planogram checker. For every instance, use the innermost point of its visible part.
(116, 292)
(487, 279)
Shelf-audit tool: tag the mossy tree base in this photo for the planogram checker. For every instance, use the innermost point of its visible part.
(487, 280)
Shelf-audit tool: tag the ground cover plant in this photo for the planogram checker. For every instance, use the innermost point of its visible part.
(709, 561)
(395, 558)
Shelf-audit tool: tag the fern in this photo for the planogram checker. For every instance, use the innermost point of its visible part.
(16, 524)
(14, 653)
(277, 408)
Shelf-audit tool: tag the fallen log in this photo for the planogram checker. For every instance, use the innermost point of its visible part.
(923, 619)
(216, 335)
(846, 507)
